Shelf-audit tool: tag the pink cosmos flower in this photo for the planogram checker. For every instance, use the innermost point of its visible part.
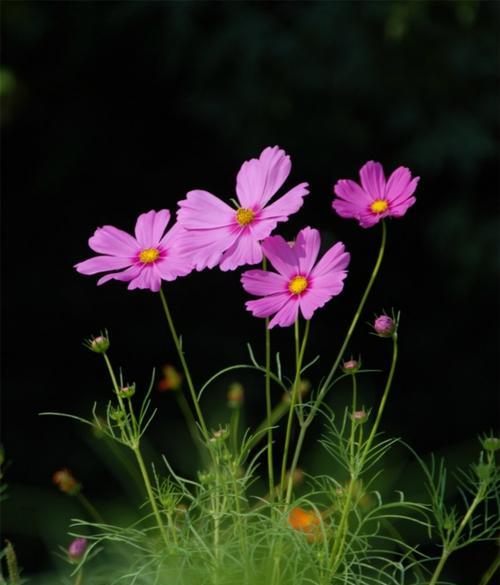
(300, 282)
(144, 260)
(375, 198)
(220, 234)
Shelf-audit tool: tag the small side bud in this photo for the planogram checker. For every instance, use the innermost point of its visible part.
(384, 326)
(127, 391)
(351, 366)
(171, 379)
(99, 344)
(77, 549)
(66, 482)
(116, 414)
(219, 436)
(235, 395)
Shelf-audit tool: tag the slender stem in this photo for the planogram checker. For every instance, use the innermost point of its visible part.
(338, 546)
(388, 384)
(187, 373)
(490, 571)
(293, 401)
(89, 507)
(450, 547)
(326, 384)
(353, 421)
(133, 441)
(151, 496)
(189, 418)
(79, 577)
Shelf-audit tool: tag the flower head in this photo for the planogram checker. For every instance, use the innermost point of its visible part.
(77, 549)
(220, 234)
(384, 326)
(144, 260)
(66, 482)
(99, 344)
(300, 282)
(351, 366)
(375, 198)
(307, 521)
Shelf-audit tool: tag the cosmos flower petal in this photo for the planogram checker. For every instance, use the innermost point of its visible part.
(287, 315)
(373, 179)
(114, 242)
(286, 205)
(173, 266)
(124, 276)
(267, 305)
(336, 259)
(314, 299)
(281, 256)
(259, 179)
(399, 209)
(150, 226)
(102, 264)
(202, 210)
(244, 250)
(351, 192)
(262, 282)
(148, 278)
(307, 248)
(205, 247)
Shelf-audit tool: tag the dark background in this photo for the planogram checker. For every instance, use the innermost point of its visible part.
(110, 109)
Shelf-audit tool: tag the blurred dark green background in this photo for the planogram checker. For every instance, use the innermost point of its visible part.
(110, 109)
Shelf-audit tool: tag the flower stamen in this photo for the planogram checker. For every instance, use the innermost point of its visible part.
(244, 216)
(298, 285)
(379, 206)
(149, 255)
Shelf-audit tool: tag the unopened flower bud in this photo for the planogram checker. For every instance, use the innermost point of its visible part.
(219, 435)
(116, 413)
(171, 380)
(66, 482)
(483, 471)
(351, 366)
(235, 395)
(297, 477)
(359, 416)
(99, 344)
(77, 549)
(127, 391)
(384, 326)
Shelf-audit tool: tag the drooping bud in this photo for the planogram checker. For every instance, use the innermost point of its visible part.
(235, 395)
(66, 482)
(384, 326)
(77, 549)
(99, 344)
(171, 380)
(351, 366)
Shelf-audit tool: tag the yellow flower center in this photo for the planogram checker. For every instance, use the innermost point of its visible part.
(149, 255)
(244, 216)
(379, 206)
(298, 285)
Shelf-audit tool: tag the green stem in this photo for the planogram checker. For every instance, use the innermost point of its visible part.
(151, 496)
(89, 507)
(450, 547)
(338, 546)
(326, 384)
(293, 400)
(187, 373)
(269, 411)
(79, 577)
(353, 421)
(133, 441)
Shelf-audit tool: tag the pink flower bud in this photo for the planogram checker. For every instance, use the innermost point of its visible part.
(384, 326)
(350, 366)
(359, 416)
(77, 549)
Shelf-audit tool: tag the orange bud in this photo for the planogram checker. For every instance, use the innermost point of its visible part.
(171, 380)
(307, 521)
(66, 482)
